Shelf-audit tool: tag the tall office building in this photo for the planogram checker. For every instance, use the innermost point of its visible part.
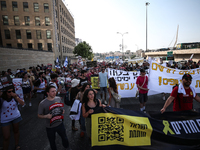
(44, 25)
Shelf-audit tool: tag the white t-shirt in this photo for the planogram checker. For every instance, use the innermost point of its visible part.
(9, 111)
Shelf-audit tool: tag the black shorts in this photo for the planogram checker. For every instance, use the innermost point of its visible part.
(26, 90)
(103, 89)
(143, 97)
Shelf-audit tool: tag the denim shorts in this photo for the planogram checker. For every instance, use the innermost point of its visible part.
(11, 122)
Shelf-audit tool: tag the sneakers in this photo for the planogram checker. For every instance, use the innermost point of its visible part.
(105, 102)
(163, 98)
(82, 134)
(30, 104)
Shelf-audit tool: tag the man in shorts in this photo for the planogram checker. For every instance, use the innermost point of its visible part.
(102, 80)
(142, 83)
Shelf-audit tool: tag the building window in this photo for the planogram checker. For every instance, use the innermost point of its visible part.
(47, 21)
(28, 34)
(27, 20)
(62, 11)
(60, 8)
(37, 21)
(3, 5)
(25, 6)
(7, 34)
(46, 7)
(48, 34)
(49, 46)
(58, 36)
(30, 45)
(5, 20)
(16, 20)
(36, 7)
(14, 6)
(18, 34)
(38, 34)
(57, 25)
(19, 45)
(9, 45)
(40, 46)
(56, 14)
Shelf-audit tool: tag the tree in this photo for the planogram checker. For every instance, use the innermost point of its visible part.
(84, 50)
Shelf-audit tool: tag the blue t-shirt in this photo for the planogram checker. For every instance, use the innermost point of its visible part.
(103, 79)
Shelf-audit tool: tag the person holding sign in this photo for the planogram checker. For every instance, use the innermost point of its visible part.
(142, 83)
(10, 115)
(182, 96)
(51, 109)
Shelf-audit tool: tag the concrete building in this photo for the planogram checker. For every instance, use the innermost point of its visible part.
(37, 25)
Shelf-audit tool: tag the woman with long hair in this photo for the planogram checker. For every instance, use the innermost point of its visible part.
(112, 88)
(27, 87)
(10, 115)
(90, 103)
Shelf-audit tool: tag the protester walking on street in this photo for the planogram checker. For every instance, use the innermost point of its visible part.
(40, 86)
(142, 85)
(112, 89)
(90, 103)
(51, 109)
(102, 80)
(73, 92)
(27, 88)
(182, 95)
(10, 115)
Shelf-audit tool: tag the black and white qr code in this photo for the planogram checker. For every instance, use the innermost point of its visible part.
(110, 128)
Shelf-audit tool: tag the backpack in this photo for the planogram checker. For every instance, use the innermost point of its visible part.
(116, 96)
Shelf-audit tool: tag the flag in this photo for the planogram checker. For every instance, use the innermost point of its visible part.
(66, 62)
(57, 63)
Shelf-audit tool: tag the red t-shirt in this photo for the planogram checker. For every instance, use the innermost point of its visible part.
(140, 81)
(186, 101)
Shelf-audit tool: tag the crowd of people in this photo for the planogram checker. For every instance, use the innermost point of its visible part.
(42, 83)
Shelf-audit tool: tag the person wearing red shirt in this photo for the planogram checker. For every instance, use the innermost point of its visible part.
(182, 101)
(142, 83)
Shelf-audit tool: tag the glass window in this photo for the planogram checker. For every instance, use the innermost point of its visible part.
(36, 7)
(3, 5)
(28, 34)
(40, 46)
(46, 7)
(7, 34)
(56, 14)
(25, 6)
(60, 8)
(48, 34)
(27, 20)
(14, 6)
(57, 25)
(49, 46)
(58, 36)
(16, 20)
(37, 21)
(47, 21)
(30, 45)
(9, 45)
(5, 20)
(38, 34)
(19, 45)
(18, 34)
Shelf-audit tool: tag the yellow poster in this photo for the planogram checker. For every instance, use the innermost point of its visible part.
(115, 129)
(95, 83)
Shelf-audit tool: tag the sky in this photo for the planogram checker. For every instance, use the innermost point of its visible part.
(98, 21)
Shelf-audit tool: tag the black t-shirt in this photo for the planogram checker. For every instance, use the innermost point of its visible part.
(82, 81)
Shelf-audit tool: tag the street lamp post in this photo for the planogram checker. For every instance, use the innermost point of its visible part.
(122, 44)
(147, 4)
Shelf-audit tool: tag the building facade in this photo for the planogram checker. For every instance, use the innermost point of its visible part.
(43, 25)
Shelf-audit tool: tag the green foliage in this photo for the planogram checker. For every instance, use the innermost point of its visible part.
(133, 56)
(83, 49)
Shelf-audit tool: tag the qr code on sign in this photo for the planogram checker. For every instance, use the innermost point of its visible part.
(110, 128)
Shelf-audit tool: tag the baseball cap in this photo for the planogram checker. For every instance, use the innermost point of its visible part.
(187, 76)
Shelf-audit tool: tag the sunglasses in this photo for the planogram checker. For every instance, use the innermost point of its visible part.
(9, 91)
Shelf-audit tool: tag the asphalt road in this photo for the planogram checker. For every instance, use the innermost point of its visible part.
(32, 129)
